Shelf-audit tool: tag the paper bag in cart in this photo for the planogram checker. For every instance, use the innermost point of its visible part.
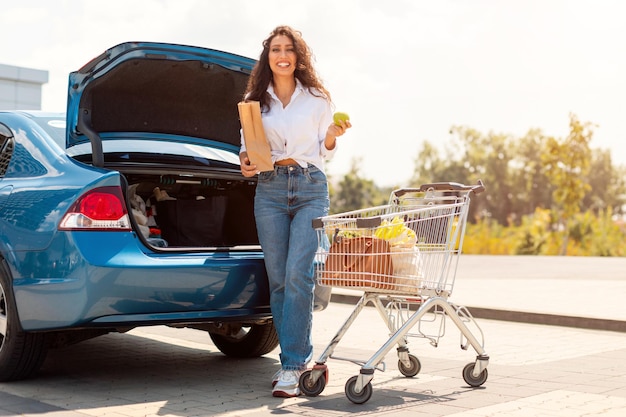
(359, 262)
(257, 147)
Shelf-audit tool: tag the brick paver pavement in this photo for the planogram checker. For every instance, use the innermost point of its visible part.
(534, 370)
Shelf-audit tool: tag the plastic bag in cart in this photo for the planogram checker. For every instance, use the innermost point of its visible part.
(407, 267)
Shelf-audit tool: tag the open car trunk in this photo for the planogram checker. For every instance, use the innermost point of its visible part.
(188, 212)
(143, 108)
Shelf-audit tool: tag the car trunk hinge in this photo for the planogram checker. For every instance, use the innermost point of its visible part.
(84, 125)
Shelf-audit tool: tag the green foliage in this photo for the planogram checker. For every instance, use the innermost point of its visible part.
(487, 237)
(597, 235)
(544, 195)
(532, 236)
(354, 192)
(568, 162)
(522, 174)
(607, 183)
(589, 235)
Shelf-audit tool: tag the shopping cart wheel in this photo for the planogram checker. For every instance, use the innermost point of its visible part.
(358, 397)
(474, 381)
(310, 388)
(411, 370)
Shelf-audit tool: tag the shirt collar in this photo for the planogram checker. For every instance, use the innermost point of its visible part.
(299, 89)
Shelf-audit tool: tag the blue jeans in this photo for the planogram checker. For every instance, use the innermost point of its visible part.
(286, 201)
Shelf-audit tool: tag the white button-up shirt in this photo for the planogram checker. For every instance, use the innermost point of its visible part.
(298, 130)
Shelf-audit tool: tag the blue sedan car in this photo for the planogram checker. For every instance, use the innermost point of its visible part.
(130, 209)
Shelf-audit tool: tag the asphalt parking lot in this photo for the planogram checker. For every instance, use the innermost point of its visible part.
(535, 369)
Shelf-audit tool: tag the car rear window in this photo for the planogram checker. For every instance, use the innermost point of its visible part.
(54, 126)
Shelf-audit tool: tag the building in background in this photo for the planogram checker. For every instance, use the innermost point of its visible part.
(20, 88)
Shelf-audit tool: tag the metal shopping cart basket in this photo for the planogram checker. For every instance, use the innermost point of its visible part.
(403, 256)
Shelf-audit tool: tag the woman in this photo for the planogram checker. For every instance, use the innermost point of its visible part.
(297, 119)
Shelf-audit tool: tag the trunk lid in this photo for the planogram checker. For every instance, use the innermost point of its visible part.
(176, 92)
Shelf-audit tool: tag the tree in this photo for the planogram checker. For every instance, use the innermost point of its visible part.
(530, 176)
(429, 166)
(531, 183)
(354, 192)
(568, 161)
(607, 188)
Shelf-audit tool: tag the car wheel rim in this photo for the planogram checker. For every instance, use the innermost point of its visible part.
(3, 316)
(240, 334)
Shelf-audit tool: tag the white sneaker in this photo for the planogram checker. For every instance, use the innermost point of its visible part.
(276, 377)
(287, 385)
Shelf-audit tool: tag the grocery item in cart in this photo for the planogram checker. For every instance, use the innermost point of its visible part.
(408, 268)
(361, 261)
(405, 255)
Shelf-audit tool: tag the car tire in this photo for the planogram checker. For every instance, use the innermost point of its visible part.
(247, 341)
(21, 353)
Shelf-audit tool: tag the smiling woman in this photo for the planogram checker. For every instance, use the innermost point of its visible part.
(296, 114)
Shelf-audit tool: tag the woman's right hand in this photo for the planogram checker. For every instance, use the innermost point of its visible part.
(247, 169)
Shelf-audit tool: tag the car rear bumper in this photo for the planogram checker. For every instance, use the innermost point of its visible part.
(119, 284)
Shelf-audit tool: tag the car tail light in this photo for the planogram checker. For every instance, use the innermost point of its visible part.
(99, 209)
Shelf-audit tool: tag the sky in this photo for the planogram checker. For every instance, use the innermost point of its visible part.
(406, 71)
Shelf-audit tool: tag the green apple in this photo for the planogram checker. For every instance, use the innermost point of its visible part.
(339, 116)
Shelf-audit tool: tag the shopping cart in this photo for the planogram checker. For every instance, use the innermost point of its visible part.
(404, 257)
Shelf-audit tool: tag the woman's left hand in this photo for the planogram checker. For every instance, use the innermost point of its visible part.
(338, 129)
(334, 131)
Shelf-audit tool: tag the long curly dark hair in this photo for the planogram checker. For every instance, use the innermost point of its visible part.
(261, 75)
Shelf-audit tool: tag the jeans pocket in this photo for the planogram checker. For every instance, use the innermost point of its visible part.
(315, 175)
(266, 176)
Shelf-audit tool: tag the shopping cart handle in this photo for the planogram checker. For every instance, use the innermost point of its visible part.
(443, 186)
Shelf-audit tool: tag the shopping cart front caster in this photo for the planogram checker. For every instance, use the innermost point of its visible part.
(474, 380)
(313, 382)
(412, 368)
(361, 396)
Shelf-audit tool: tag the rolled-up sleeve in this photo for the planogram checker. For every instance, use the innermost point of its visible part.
(326, 120)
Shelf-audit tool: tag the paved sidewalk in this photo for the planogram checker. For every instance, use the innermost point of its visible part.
(588, 287)
(534, 370)
(584, 292)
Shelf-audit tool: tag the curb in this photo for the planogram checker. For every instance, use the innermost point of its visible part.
(521, 316)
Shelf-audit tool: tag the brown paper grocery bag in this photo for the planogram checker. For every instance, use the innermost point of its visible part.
(257, 147)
